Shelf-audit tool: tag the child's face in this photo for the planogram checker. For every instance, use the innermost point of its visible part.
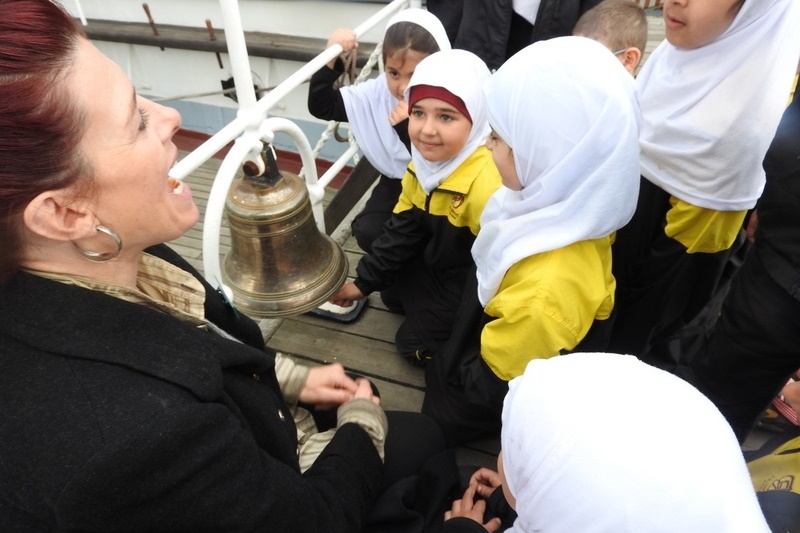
(437, 129)
(695, 23)
(399, 70)
(504, 161)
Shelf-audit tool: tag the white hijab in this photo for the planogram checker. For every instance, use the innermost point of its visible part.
(462, 73)
(603, 443)
(369, 105)
(567, 108)
(709, 113)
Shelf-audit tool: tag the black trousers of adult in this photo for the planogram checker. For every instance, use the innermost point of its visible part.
(368, 224)
(753, 349)
(421, 478)
(411, 440)
(660, 287)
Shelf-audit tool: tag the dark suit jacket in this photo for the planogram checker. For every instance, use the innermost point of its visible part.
(117, 417)
(489, 28)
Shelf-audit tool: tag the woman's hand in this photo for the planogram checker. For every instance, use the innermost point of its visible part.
(474, 510)
(485, 481)
(328, 386)
(348, 294)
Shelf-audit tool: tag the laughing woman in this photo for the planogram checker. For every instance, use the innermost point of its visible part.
(133, 398)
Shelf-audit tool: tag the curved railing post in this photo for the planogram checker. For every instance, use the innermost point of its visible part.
(212, 222)
(316, 191)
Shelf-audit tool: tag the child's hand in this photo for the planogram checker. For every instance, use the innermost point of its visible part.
(474, 510)
(346, 39)
(752, 226)
(791, 395)
(399, 113)
(486, 481)
(364, 391)
(348, 294)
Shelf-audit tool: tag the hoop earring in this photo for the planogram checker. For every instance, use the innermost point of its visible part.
(102, 257)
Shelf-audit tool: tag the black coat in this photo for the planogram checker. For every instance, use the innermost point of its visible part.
(117, 417)
(491, 30)
(778, 238)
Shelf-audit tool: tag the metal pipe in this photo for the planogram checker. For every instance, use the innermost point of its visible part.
(316, 190)
(337, 166)
(240, 61)
(212, 222)
(80, 13)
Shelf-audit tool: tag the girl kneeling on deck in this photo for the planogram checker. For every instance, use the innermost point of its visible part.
(710, 107)
(564, 137)
(424, 250)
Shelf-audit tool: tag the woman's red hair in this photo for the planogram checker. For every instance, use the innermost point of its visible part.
(39, 127)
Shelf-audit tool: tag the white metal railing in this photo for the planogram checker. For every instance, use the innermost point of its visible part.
(79, 8)
(251, 126)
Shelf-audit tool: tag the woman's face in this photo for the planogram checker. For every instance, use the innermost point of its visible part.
(128, 145)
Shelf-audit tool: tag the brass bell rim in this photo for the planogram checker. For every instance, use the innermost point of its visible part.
(284, 303)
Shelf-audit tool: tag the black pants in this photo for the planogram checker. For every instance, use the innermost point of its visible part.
(421, 478)
(462, 394)
(753, 349)
(368, 224)
(660, 287)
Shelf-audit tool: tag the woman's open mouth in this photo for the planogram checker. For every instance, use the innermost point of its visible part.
(177, 186)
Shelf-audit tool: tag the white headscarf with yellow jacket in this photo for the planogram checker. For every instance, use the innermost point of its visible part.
(710, 113)
(567, 108)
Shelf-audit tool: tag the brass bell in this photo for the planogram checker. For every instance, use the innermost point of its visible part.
(279, 264)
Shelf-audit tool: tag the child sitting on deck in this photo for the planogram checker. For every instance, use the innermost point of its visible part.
(710, 105)
(565, 129)
(376, 109)
(603, 443)
(620, 25)
(424, 250)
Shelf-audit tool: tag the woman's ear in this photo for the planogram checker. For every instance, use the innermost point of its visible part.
(60, 215)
